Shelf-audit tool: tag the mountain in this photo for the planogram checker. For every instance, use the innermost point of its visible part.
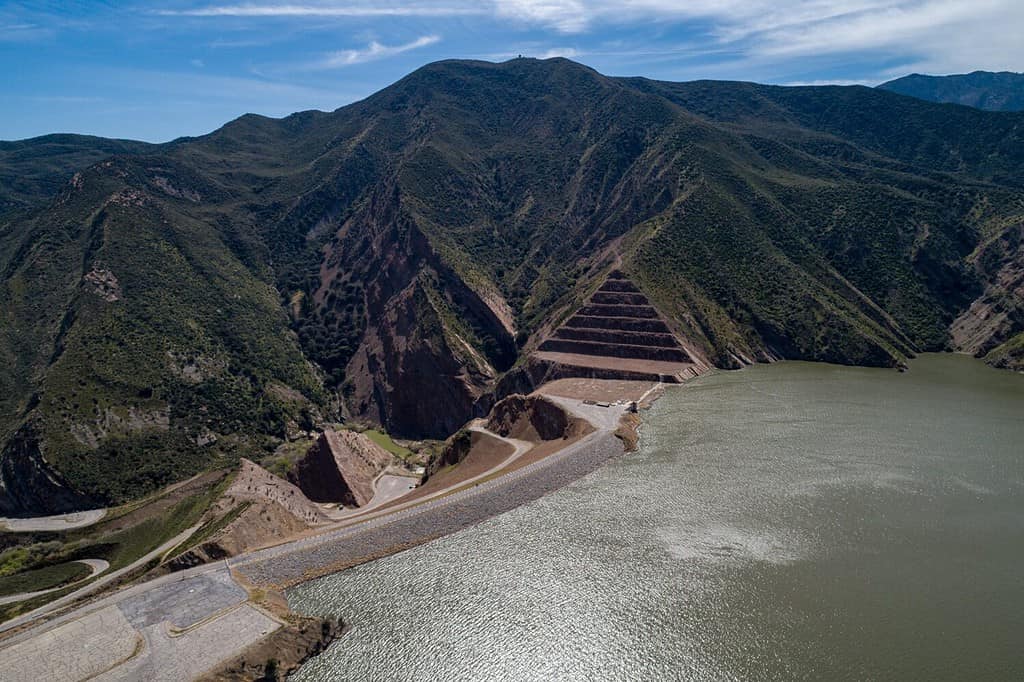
(172, 307)
(1001, 91)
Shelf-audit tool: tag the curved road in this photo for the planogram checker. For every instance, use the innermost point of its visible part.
(97, 566)
(97, 584)
(367, 519)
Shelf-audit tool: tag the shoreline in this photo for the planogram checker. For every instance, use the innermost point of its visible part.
(246, 625)
(428, 521)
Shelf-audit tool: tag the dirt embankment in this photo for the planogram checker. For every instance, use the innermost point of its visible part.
(533, 418)
(474, 453)
(280, 654)
(629, 431)
(255, 483)
(996, 316)
(267, 508)
(341, 467)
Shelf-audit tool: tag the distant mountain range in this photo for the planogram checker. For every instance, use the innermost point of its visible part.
(165, 308)
(1002, 91)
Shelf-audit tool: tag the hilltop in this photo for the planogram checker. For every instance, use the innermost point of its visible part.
(168, 308)
(1002, 91)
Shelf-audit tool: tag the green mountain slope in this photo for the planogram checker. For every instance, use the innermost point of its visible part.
(33, 170)
(992, 91)
(188, 303)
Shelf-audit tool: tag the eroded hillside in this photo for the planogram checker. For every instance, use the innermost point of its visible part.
(179, 305)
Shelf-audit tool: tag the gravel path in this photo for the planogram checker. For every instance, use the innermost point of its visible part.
(296, 561)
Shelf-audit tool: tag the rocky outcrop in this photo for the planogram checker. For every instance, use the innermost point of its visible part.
(996, 316)
(341, 467)
(406, 357)
(104, 284)
(424, 323)
(265, 507)
(29, 486)
(254, 483)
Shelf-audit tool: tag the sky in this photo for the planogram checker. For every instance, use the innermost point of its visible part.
(161, 69)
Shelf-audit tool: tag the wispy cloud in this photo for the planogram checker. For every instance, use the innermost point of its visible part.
(565, 16)
(24, 32)
(567, 52)
(940, 35)
(372, 52)
(328, 10)
(839, 81)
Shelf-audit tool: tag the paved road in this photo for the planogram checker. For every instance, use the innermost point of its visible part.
(363, 515)
(172, 628)
(166, 655)
(290, 563)
(53, 523)
(367, 521)
(97, 566)
(96, 584)
(520, 447)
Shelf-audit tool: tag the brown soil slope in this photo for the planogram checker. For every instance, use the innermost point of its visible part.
(533, 418)
(341, 467)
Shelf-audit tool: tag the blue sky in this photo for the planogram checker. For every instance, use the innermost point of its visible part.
(161, 69)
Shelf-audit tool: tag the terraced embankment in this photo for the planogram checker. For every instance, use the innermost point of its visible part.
(617, 334)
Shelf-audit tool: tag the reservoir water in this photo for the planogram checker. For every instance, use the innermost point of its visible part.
(794, 521)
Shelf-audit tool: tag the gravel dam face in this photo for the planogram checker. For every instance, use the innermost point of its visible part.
(793, 521)
(288, 564)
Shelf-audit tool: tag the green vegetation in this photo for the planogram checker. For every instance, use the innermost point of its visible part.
(179, 306)
(43, 578)
(1009, 355)
(283, 460)
(384, 440)
(121, 538)
(1003, 91)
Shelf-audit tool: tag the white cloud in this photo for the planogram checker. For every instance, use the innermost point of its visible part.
(23, 32)
(567, 52)
(935, 35)
(372, 52)
(566, 16)
(839, 81)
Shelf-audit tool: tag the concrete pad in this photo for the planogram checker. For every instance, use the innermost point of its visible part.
(73, 651)
(605, 418)
(184, 602)
(176, 658)
(390, 487)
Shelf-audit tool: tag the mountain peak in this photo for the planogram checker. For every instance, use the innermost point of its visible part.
(989, 90)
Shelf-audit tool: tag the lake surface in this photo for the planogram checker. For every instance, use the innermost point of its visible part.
(787, 522)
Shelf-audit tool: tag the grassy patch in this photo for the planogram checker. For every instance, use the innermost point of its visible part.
(43, 578)
(384, 440)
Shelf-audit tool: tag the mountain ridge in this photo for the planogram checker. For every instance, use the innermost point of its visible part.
(217, 294)
(988, 90)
